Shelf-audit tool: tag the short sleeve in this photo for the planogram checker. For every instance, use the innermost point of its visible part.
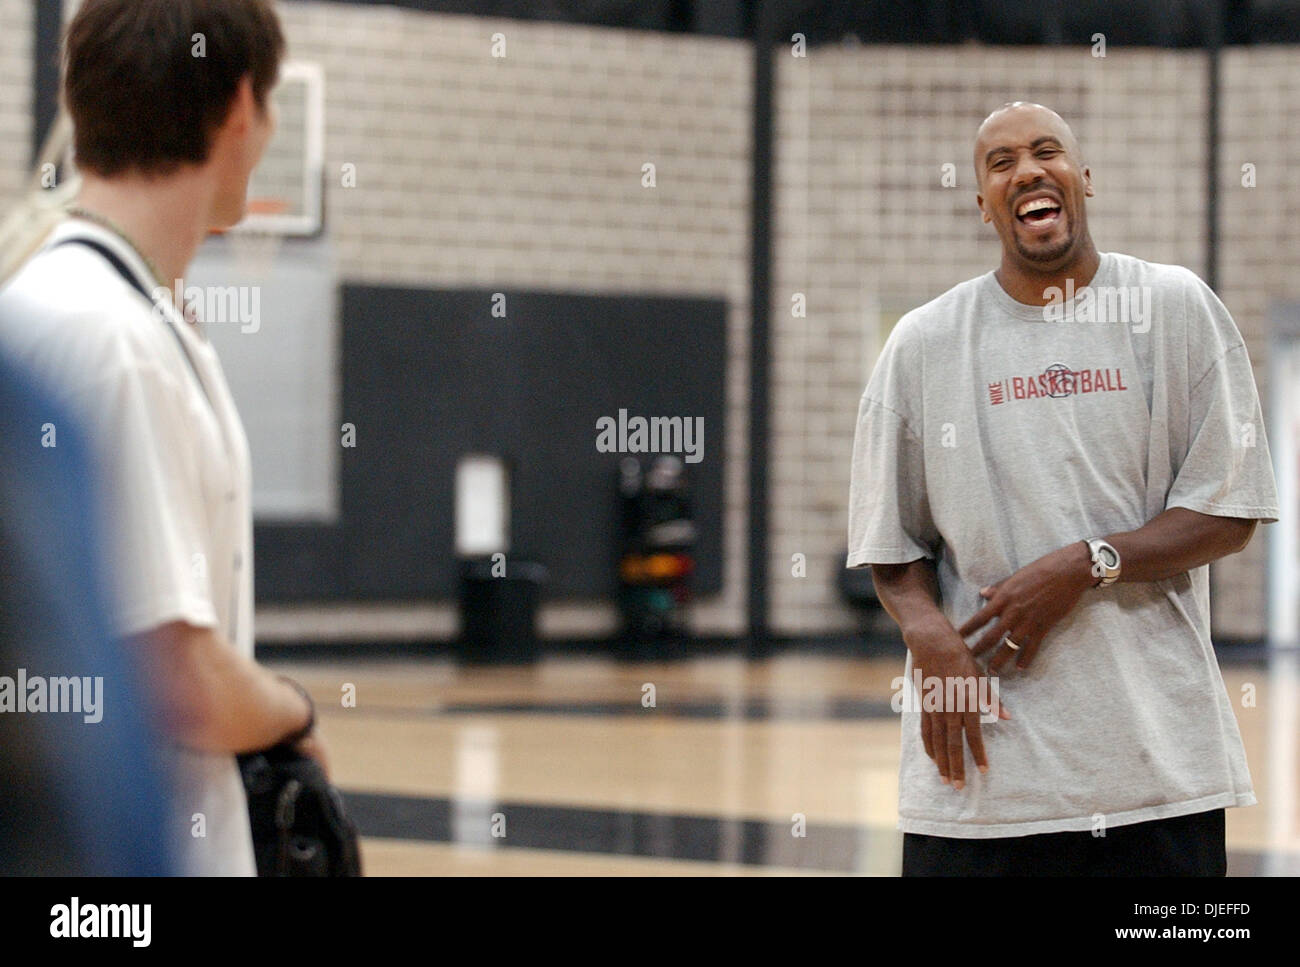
(889, 509)
(1227, 470)
(151, 499)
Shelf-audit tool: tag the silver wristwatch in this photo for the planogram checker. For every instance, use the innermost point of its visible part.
(1105, 562)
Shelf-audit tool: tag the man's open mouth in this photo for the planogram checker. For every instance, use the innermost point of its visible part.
(1039, 212)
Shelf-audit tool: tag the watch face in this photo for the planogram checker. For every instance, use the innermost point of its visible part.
(1109, 556)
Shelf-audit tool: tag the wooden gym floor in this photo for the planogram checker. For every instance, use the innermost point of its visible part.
(561, 768)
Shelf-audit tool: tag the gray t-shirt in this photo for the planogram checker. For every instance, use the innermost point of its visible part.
(993, 432)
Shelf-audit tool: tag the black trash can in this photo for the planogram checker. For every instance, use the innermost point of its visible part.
(499, 611)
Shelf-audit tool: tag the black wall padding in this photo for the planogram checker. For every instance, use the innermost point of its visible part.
(431, 375)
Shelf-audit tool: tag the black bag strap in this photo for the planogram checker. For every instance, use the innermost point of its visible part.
(131, 279)
(113, 259)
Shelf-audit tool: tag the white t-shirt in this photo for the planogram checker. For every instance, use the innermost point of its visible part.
(173, 477)
(992, 433)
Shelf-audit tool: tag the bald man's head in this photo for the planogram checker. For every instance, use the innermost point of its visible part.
(1032, 185)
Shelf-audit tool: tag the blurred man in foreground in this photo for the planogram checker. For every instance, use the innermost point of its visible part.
(169, 102)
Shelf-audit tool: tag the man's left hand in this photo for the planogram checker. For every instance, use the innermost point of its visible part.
(1029, 603)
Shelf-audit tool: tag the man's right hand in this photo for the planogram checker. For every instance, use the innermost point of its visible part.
(939, 652)
(910, 593)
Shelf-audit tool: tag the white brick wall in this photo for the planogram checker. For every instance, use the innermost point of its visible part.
(1259, 243)
(16, 27)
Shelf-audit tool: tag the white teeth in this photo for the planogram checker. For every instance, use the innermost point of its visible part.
(1036, 205)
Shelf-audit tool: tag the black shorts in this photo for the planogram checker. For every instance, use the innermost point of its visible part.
(1192, 845)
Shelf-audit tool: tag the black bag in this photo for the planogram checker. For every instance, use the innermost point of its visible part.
(299, 824)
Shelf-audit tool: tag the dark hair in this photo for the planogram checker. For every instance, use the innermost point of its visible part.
(147, 81)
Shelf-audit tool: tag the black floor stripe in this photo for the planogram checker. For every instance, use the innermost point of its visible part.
(840, 849)
(752, 709)
(836, 709)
